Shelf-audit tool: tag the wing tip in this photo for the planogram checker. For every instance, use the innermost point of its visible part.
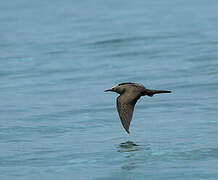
(127, 130)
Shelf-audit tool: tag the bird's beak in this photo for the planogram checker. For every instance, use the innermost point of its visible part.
(108, 90)
(151, 92)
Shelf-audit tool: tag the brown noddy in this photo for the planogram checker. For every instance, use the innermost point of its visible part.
(129, 94)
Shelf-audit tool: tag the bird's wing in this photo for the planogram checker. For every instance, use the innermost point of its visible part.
(125, 108)
(133, 84)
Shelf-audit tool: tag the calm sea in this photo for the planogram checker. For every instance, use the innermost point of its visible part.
(58, 57)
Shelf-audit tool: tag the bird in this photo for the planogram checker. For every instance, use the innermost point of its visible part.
(130, 93)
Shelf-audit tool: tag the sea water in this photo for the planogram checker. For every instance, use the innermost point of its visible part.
(58, 57)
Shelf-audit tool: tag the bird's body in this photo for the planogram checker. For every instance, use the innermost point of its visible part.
(129, 95)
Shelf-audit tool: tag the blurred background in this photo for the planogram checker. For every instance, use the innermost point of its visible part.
(58, 57)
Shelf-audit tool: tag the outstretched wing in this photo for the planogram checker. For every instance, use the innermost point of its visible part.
(125, 108)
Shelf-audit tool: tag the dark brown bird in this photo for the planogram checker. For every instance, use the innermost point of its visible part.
(129, 94)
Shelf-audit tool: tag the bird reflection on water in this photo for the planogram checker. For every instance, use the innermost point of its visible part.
(131, 149)
(128, 146)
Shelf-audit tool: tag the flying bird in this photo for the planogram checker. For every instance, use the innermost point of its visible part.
(129, 95)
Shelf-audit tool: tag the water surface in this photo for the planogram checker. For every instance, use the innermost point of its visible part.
(57, 58)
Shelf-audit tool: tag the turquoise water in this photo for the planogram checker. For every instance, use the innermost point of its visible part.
(57, 58)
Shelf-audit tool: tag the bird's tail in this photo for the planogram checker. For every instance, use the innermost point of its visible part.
(151, 92)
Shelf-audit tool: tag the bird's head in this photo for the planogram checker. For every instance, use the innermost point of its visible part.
(117, 89)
